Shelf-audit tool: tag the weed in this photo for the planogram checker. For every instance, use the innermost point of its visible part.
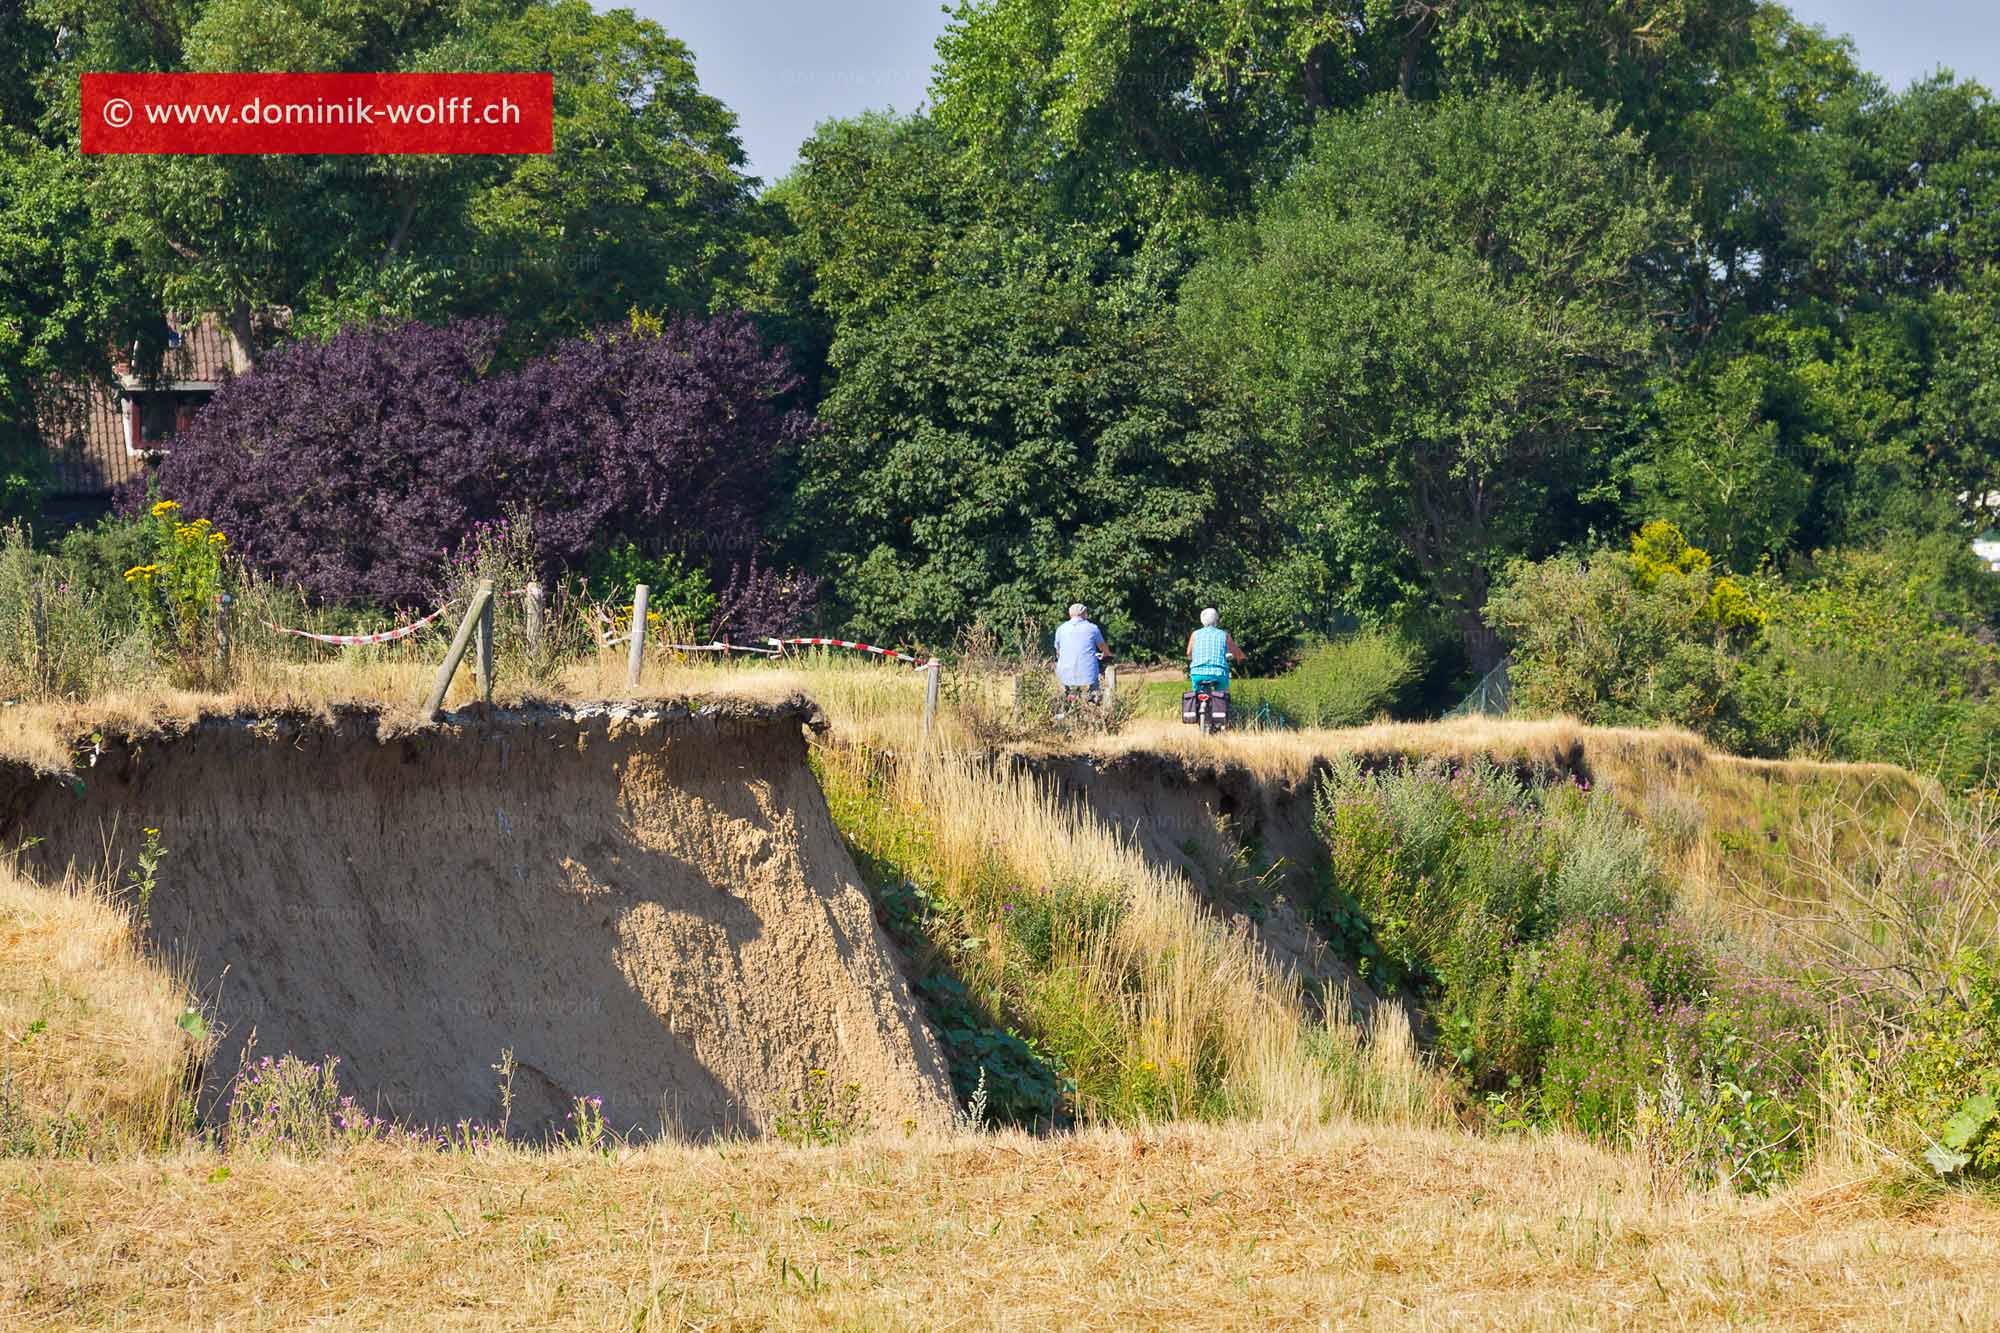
(146, 878)
(587, 1130)
(822, 1116)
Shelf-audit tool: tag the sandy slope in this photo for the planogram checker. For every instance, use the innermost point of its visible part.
(642, 904)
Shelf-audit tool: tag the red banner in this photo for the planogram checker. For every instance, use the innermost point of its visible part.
(318, 113)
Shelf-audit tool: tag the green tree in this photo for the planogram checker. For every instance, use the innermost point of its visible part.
(639, 204)
(1719, 466)
(1002, 449)
(67, 293)
(1441, 316)
(1143, 110)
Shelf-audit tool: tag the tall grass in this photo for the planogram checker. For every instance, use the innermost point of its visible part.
(1151, 1007)
(99, 1041)
(1901, 935)
(1340, 682)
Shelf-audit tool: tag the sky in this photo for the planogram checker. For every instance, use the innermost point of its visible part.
(786, 65)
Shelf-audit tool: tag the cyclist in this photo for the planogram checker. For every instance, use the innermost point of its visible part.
(1080, 652)
(1210, 651)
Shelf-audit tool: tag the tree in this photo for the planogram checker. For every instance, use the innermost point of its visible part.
(1187, 106)
(67, 292)
(637, 206)
(1961, 408)
(1720, 467)
(1442, 316)
(1001, 450)
(353, 467)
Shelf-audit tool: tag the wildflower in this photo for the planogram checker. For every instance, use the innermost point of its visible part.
(166, 508)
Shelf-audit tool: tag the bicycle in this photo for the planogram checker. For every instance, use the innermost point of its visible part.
(1079, 701)
(1207, 707)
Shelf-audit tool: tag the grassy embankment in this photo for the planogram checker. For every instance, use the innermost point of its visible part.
(1315, 1190)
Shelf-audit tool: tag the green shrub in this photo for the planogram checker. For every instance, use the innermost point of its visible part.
(1865, 655)
(1630, 638)
(63, 633)
(677, 592)
(1868, 659)
(1340, 682)
(1530, 923)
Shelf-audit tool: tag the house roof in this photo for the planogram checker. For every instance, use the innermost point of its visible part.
(83, 429)
(199, 352)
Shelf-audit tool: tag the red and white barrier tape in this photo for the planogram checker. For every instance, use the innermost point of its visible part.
(859, 647)
(717, 647)
(386, 636)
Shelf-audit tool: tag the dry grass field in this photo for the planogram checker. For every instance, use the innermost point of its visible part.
(1219, 1226)
(1346, 1194)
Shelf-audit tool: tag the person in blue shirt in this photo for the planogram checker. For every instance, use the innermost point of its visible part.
(1210, 651)
(1080, 650)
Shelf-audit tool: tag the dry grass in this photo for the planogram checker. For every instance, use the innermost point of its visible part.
(886, 701)
(1292, 755)
(88, 1034)
(1236, 1226)
(1190, 992)
(1301, 1215)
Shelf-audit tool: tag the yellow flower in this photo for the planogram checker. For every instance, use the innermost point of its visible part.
(217, 539)
(166, 507)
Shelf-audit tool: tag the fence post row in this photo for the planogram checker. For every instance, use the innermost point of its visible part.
(481, 601)
(637, 660)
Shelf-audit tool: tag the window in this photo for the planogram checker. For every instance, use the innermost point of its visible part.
(163, 415)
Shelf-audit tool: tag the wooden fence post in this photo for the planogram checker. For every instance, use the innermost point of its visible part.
(484, 662)
(449, 667)
(533, 603)
(930, 695)
(41, 626)
(1110, 683)
(224, 636)
(637, 660)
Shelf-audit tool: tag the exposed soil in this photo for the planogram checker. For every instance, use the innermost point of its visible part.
(647, 903)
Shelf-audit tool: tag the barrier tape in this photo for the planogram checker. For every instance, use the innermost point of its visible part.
(385, 636)
(860, 647)
(717, 647)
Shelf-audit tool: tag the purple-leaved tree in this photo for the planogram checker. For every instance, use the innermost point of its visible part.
(352, 467)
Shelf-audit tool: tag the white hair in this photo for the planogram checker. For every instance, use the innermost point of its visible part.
(1077, 610)
(1209, 617)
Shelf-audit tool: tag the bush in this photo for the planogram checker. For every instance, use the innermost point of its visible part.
(63, 629)
(354, 467)
(1630, 638)
(1869, 659)
(1531, 923)
(679, 593)
(1338, 683)
(1865, 655)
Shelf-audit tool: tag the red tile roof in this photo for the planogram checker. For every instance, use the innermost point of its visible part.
(83, 428)
(201, 355)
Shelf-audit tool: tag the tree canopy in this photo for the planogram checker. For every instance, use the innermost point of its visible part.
(1322, 311)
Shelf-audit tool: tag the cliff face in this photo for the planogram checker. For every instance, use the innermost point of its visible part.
(646, 903)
